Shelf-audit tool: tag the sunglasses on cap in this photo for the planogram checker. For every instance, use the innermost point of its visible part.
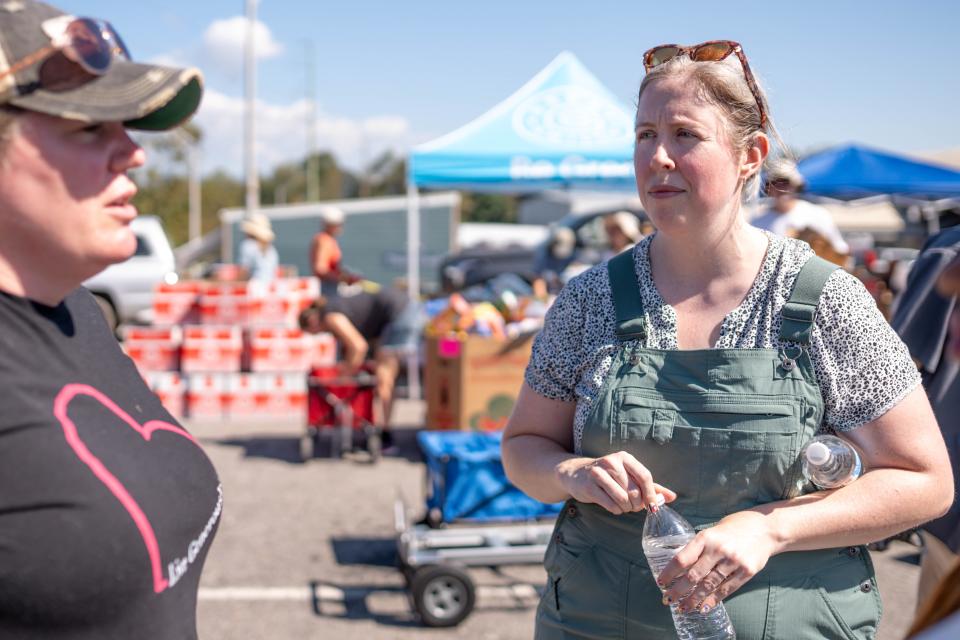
(87, 45)
(712, 51)
(781, 184)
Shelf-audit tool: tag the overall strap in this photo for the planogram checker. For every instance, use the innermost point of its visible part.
(798, 313)
(626, 297)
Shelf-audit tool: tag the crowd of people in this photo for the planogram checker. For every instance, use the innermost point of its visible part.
(688, 366)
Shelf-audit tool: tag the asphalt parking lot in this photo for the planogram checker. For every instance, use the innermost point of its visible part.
(307, 550)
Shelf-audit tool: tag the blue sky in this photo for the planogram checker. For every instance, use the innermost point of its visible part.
(391, 74)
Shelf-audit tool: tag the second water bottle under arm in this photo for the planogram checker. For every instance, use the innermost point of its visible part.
(830, 462)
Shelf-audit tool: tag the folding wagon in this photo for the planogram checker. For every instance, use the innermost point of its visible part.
(474, 518)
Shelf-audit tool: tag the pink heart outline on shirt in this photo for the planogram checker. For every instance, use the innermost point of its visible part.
(60, 405)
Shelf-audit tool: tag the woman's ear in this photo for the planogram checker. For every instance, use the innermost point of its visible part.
(754, 156)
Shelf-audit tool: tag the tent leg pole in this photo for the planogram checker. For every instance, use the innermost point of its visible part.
(414, 391)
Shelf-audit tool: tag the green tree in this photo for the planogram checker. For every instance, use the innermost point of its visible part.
(166, 196)
(287, 184)
(385, 176)
(488, 207)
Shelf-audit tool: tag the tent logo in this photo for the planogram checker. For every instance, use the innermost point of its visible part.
(571, 115)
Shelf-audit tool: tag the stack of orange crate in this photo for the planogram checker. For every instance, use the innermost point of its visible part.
(230, 349)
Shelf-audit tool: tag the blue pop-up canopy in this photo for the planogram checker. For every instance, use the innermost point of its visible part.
(563, 128)
(854, 171)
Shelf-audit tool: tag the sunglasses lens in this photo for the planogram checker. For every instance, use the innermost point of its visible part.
(712, 52)
(660, 55)
(87, 47)
(116, 41)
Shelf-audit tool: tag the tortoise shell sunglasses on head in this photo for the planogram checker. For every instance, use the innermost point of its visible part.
(712, 51)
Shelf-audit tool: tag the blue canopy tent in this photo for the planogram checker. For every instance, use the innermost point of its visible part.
(853, 171)
(562, 129)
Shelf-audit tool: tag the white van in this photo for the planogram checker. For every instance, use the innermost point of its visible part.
(125, 290)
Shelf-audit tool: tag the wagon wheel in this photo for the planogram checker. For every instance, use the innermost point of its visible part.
(442, 595)
(307, 444)
(374, 443)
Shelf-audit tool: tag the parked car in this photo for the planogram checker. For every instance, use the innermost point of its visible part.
(124, 290)
(576, 237)
(475, 266)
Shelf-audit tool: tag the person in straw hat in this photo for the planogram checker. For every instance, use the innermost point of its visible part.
(258, 256)
(108, 506)
(623, 231)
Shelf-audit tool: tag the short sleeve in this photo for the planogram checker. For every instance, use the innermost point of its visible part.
(558, 348)
(862, 366)
(248, 257)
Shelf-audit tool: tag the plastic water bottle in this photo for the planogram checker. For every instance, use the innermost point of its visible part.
(830, 462)
(664, 534)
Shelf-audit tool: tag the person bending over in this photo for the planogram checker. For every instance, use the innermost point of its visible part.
(380, 326)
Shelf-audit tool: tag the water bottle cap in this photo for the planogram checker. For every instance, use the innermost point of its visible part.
(818, 453)
(658, 500)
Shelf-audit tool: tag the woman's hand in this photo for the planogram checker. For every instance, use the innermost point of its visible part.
(617, 482)
(718, 561)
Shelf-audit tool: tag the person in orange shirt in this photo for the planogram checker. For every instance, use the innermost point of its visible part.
(325, 254)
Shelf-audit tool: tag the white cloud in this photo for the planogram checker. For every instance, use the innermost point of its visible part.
(223, 42)
(281, 134)
(171, 59)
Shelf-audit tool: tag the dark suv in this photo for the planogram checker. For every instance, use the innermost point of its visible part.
(550, 257)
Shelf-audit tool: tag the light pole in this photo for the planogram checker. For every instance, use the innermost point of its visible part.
(313, 180)
(191, 153)
(250, 78)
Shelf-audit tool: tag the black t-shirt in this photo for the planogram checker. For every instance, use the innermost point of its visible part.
(370, 313)
(107, 506)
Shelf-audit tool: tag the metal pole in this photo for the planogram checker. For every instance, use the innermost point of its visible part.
(413, 281)
(189, 145)
(250, 79)
(196, 212)
(313, 178)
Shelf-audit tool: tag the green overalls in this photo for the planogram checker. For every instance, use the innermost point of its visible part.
(723, 428)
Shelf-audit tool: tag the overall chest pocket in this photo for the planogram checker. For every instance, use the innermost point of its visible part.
(720, 452)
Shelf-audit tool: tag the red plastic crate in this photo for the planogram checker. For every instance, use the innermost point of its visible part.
(211, 349)
(206, 395)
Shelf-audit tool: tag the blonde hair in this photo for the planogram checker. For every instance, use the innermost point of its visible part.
(724, 85)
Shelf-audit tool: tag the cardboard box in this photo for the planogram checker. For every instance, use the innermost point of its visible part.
(265, 395)
(280, 309)
(272, 349)
(207, 395)
(153, 348)
(175, 304)
(472, 383)
(217, 308)
(171, 389)
(208, 349)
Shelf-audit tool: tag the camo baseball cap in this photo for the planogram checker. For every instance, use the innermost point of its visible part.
(142, 96)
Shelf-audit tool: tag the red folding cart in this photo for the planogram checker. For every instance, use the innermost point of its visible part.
(340, 414)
